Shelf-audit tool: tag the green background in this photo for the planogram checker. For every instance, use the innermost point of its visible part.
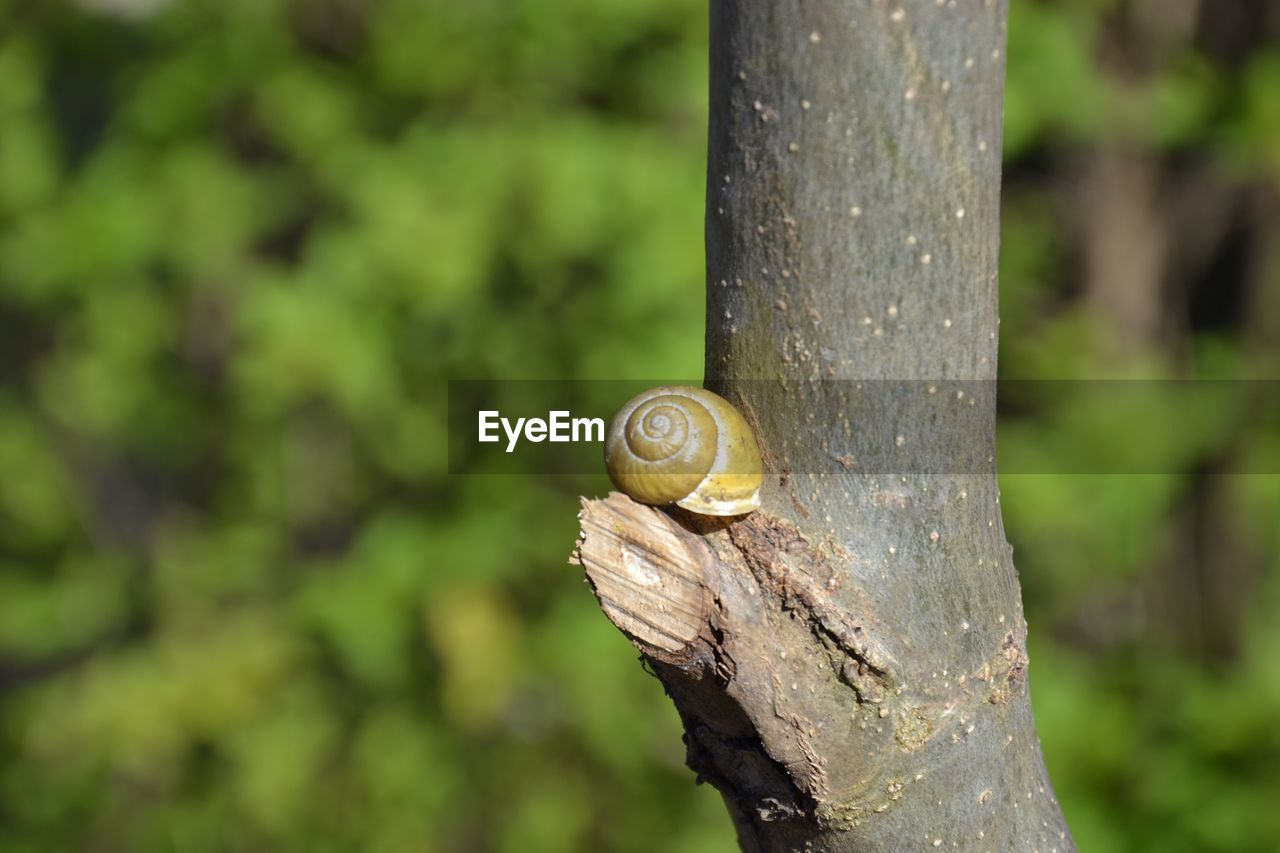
(243, 245)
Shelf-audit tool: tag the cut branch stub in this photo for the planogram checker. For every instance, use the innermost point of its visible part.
(647, 572)
(735, 616)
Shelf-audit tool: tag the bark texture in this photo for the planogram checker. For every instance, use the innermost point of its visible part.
(849, 662)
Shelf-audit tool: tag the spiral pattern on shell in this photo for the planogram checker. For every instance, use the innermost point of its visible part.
(657, 429)
(686, 446)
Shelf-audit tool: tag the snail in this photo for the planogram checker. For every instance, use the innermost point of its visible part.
(685, 446)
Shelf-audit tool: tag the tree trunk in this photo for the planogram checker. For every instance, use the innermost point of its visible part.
(849, 662)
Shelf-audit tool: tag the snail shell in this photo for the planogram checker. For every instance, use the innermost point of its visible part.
(685, 446)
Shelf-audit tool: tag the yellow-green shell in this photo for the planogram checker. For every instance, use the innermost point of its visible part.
(685, 446)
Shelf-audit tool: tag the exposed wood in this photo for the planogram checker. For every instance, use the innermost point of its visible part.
(646, 571)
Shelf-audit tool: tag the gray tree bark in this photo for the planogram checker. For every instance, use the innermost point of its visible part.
(849, 662)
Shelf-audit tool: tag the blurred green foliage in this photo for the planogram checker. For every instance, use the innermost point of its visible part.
(243, 243)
